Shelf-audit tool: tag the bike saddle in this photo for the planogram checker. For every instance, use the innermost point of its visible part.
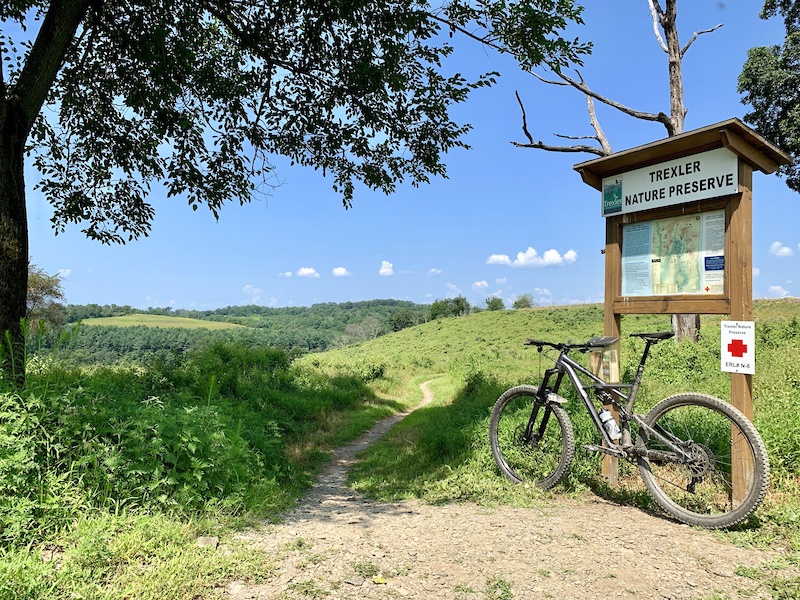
(601, 342)
(654, 337)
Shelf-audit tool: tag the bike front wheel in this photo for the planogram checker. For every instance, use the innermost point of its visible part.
(531, 441)
(717, 445)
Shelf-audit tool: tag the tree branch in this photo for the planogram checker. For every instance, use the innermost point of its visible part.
(637, 114)
(47, 55)
(600, 135)
(485, 40)
(657, 14)
(250, 40)
(542, 146)
(549, 148)
(696, 35)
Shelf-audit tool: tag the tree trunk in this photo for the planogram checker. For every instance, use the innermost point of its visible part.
(13, 245)
(685, 326)
(669, 23)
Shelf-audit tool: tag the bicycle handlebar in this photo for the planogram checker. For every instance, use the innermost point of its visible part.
(599, 342)
(595, 342)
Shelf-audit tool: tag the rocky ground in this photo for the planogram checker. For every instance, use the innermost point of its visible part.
(337, 544)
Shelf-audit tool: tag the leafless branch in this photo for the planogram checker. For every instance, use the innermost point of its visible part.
(656, 13)
(547, 81)
(574, 137)
(696, 35)
(637, 114)
(524, 119)
(599, 133)
(550, 148)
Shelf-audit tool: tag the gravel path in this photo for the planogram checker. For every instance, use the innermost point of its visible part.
(337, 544)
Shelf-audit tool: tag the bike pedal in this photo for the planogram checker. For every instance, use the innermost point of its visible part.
(619, 453)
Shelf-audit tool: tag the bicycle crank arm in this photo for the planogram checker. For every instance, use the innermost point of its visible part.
(618, 452)
(659, 456)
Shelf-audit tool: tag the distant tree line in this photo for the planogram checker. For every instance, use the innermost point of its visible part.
(295, 329)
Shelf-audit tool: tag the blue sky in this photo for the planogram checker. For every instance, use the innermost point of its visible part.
(507, 222)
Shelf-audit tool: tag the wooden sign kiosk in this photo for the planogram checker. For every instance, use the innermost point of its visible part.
(679, 234)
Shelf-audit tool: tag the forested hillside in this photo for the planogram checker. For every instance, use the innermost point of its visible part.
(298, 329)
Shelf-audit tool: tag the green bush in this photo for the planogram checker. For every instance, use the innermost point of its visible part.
(209, 431)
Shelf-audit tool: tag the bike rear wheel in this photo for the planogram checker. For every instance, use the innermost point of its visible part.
(700, 491)
(540, 453)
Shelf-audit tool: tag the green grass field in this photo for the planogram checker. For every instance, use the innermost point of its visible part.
(117, 470)
(158, 321)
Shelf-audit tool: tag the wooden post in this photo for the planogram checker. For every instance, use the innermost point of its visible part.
(608, 368)
(740, 288)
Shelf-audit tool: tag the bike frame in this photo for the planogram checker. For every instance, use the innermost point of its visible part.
(609, 393)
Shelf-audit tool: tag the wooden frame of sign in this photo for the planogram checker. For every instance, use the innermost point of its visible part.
(734, 296)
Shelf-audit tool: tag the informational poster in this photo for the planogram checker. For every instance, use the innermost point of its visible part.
(677, 255)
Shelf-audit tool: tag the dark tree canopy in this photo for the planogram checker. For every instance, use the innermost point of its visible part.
(198, 96)
(770, 84)
(113, 98)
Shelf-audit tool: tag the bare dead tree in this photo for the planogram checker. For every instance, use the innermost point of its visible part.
(666, 32)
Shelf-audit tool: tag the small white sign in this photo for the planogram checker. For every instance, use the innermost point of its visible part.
(738, 353)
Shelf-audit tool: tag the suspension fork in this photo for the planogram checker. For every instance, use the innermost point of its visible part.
(540, 403)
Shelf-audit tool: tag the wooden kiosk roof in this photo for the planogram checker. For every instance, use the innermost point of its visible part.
(731, 134)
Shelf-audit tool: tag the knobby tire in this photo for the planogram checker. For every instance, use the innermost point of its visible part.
(700, 492)
(541, 461)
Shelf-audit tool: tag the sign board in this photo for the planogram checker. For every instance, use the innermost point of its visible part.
(663, 186)
(738, 351)
(677, 255)
(695, 177)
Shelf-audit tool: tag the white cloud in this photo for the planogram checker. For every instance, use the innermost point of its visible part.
(340, 272)
(387, 269)
(756, 271)
(778, 291)
(531, 258)
(498, 259)
(500, 281)
(479, 285)
(434, 272)
(780, 250)
(253, 293)
(542, 291)
(64, 272)
(308, 272)
(453, 289)
(285, 274)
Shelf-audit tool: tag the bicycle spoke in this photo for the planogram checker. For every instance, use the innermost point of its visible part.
(696, 483)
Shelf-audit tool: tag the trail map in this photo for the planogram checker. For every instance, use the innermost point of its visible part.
(678, 255)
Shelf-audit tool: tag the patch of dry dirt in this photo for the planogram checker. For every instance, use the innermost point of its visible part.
(337, 544)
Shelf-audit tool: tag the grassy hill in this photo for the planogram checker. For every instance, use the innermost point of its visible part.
(441, 453)
(109, 469)
(158, 321)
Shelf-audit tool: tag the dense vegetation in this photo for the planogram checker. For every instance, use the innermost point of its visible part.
(297, 329)
(106, 470)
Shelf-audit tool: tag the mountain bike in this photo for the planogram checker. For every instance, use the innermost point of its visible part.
(686, 447)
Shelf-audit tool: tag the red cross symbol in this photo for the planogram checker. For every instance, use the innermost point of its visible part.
(737, 348)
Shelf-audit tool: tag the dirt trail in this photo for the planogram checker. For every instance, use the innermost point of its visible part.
(337, 544)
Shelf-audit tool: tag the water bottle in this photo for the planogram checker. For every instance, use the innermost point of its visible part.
(610, 425)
